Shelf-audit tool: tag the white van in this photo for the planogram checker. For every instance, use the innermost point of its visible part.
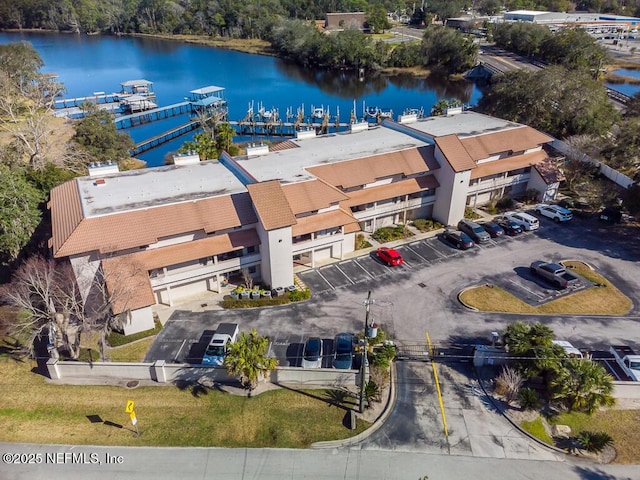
(526, 221)
(569, 349)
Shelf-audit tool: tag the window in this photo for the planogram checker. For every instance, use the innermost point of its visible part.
(253, 269)
(251, 249)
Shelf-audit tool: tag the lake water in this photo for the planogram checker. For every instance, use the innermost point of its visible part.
(87, 64)
(626, 88)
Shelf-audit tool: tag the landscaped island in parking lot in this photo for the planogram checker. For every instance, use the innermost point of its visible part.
(602, 299)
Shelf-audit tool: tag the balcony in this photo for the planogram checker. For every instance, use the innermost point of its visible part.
(198, 271)
(487, 185)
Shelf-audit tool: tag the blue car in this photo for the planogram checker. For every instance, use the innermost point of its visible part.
(343, 347)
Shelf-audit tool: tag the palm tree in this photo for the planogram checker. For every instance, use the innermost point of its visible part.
(583, 385)
(247, 359)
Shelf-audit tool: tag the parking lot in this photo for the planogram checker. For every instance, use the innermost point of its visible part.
(416, 255)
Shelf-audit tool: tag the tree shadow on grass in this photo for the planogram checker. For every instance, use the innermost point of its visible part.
(335, 397)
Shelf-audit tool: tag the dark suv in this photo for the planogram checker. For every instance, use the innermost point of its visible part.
(475, 231)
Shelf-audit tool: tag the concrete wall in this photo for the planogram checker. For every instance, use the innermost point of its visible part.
(138, 320)
(161, 372)
(276, 248)
(451, 196)
(626, 390)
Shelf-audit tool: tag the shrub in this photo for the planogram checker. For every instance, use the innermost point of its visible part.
(508, 383)
(372, 392)
(470, 214)
(362, 242)
(388, 234)
(528, 399)
(594, 442)
(427, 224)
(382, 357)
(116, 339)
(299, 295)
(230, 302)
(530, 196)
(504, 203)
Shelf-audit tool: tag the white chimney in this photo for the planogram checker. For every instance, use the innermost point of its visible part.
(98, 169)
(256, 150)
(190, 158)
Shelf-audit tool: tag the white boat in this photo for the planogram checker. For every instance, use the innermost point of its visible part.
(372, 112)
(317, 112)
(267, 114)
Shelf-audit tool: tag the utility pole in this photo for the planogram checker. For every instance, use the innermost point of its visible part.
(363, 361)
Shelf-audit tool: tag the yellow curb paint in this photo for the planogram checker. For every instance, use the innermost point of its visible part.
(435, 376)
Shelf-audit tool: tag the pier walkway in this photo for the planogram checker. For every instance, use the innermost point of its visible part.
(135, 119)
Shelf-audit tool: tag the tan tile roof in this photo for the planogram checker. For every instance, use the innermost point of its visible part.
(111, 233)
(549, 171)
(127, 283)
(130, 273)
(352, 228)
(455, 153)
(395, 189)
(351, 173)
(66, 213)
(515, 139)
(271, 205)
(284, 145)
(311, 195)
(506, 164)
(323, 221)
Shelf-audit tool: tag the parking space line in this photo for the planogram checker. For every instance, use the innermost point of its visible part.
(442, 255)
(346, 276)
(612, 370)
(525, 288)
(416, 253)
(364, 269)
(323, 277)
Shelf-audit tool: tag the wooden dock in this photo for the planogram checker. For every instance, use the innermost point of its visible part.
(165, 137)
(148, 116)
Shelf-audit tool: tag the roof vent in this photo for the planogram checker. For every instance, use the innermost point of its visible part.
(359, 127)
(100, 182)
(256, 150)
(99, 169)
(190, 158)
(308, 133)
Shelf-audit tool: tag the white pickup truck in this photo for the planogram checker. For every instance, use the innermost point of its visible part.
(628, 360)
(225, 335)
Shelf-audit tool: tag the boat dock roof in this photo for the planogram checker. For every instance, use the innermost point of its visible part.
(207, 90)
(131, 83)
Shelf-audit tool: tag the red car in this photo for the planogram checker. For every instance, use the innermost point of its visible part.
(389, 256)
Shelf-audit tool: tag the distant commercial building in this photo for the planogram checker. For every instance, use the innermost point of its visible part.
(163, 234)
(592, 22)
(343, 21)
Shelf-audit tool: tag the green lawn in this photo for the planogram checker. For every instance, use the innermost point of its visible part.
(603, 300)
(622, 425)
(33, 410)
(536, 428)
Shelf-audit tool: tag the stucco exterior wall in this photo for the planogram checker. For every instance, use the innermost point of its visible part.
(277, 265)
(451, 196)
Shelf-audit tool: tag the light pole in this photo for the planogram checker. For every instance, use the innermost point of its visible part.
(363, 361)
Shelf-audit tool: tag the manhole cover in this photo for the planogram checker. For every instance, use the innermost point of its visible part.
(132, 384)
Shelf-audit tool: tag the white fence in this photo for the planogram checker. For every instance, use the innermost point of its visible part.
(162, 372)
(606, 171)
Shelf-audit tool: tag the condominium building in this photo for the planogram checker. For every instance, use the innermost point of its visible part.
(160, 235)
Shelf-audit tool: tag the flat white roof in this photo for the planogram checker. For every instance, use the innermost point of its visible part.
(525, 12)
(289, 165)
(154, 187)
(130, 83)
(465, 124)
(205, 90)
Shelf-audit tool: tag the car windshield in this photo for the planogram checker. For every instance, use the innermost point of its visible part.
(343, 346)
(634, 365)
(478, 229)
(312, 349)
(215, 351)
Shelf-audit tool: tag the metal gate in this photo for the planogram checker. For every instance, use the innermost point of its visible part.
(413, 352)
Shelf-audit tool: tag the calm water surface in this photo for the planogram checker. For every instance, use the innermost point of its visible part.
(87, 64)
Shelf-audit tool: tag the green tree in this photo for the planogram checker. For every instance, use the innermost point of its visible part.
(574, 48)
(534, 344)
(441, 106)
(552, 100)
(203, 144)
(98, 135)
(247, 359)
(582, 385)
(19, 211)
(448, 49)
(377, 19)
